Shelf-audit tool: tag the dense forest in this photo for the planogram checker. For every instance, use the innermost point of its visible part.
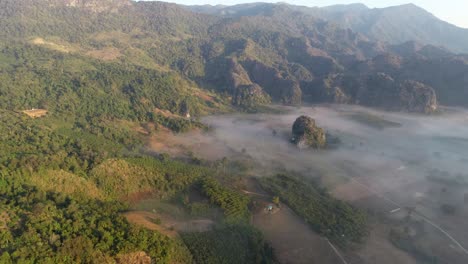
(63, 192)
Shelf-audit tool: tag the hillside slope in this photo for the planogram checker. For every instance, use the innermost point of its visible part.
(267, 52)
(395, 25)
(400, 24)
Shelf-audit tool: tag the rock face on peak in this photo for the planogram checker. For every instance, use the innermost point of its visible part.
(306, 134)
(380, 90)
(246, 94)
(418, 97)
(284, 90)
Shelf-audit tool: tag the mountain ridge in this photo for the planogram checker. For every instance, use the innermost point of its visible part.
(394, 24)
(245, 56)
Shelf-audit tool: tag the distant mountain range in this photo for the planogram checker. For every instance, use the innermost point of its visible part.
(253, 54)
(395, 25)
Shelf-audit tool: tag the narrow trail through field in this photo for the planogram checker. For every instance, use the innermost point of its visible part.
(337, 252)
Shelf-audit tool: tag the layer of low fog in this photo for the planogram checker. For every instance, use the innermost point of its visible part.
(420, 144)
(403, 165)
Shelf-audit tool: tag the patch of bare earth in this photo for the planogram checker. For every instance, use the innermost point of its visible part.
(146, 220)
(204, 96)
(35, 113)
(105, 54)
(134, 258)
(164, 141)
(166, 113)
(4, 219)
(167, 225)
(52, 45)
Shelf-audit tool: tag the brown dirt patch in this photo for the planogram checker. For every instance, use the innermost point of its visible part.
(35, 113)
(4, 220)
(164, 141)
(105, 54)
(204, 96)
(52, 45)
(134, 258)
(142, 130)
(168, 226)
(166, 113)
(145, 219)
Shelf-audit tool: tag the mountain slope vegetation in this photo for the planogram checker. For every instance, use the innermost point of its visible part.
(395, 24)
(269, 52)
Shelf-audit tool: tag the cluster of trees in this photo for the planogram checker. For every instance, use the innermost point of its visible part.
(119, 178)
(48, 222)
(234, 204)
(29, 146)
(178, 125)
(48, 227)
(335, 219)
(81, 87)
(230, 244)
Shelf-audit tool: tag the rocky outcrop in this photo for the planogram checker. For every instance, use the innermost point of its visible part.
(245, 93)
(250, 96)
(237, 75)
(134, 258)
(285, 90)
(380, 90)
(305, 134)
(417, 97)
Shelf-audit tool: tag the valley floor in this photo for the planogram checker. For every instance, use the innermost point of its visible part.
(379, 169)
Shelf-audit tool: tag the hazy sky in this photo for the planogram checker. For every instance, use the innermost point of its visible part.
(453, 11)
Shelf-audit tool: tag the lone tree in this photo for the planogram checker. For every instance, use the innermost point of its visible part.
(306, 134)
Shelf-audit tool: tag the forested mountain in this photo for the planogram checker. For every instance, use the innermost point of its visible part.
(245, 55)
(395, 25)
(399, 24)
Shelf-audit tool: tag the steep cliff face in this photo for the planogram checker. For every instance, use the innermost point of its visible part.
(380, 90)
(245, 93)
(250, 96)
(284, 90)
(305, 134)
(418, 97)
